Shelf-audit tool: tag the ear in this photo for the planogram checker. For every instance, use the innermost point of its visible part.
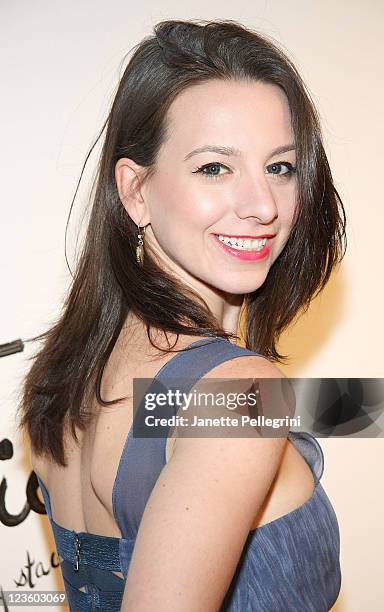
(129, 177)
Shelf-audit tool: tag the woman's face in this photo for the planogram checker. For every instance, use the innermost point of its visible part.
(199, 201)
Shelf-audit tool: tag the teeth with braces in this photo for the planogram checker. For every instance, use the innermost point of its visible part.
(243, 244)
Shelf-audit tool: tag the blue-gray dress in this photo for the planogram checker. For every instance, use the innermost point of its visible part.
(288, 565)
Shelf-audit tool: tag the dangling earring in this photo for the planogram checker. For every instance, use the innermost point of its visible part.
(140, 246)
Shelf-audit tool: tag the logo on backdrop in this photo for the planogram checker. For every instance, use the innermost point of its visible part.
(32, 501)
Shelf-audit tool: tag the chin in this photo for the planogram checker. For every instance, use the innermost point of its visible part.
(240, 288)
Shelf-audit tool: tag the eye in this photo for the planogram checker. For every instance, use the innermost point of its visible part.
(210, 170)
(275, 169)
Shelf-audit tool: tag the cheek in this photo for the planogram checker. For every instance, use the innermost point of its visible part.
(286, 208)
(178, 208)
(286, 217)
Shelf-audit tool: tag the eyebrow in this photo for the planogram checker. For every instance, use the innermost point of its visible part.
(222, 150)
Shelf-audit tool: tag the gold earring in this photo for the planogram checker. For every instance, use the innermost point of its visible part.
(140, 247)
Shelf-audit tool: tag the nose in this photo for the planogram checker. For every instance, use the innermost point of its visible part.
(254, 198)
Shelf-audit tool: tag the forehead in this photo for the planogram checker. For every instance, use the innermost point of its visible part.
(244, 112)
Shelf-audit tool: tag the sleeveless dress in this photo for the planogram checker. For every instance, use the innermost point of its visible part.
(288, 565)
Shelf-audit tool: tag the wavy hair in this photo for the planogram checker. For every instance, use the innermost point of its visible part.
(107, 283)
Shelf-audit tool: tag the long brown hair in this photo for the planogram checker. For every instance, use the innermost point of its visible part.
(107, 282)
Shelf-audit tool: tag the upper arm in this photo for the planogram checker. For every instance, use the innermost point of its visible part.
(199, 514)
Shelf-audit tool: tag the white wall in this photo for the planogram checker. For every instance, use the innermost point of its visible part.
(59, 69)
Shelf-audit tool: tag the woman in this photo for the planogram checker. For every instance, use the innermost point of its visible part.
(214, 198)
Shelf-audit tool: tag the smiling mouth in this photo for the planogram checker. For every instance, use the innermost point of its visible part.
(244, 243)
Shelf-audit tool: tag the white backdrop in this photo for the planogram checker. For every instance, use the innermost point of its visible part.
(59, 69)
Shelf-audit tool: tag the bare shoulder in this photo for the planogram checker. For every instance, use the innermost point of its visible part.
(247, 448)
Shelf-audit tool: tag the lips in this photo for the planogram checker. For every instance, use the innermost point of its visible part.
(244, 255)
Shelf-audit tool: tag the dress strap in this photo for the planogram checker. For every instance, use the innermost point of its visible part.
(142, 458)
(47, 501)
(310, 449)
